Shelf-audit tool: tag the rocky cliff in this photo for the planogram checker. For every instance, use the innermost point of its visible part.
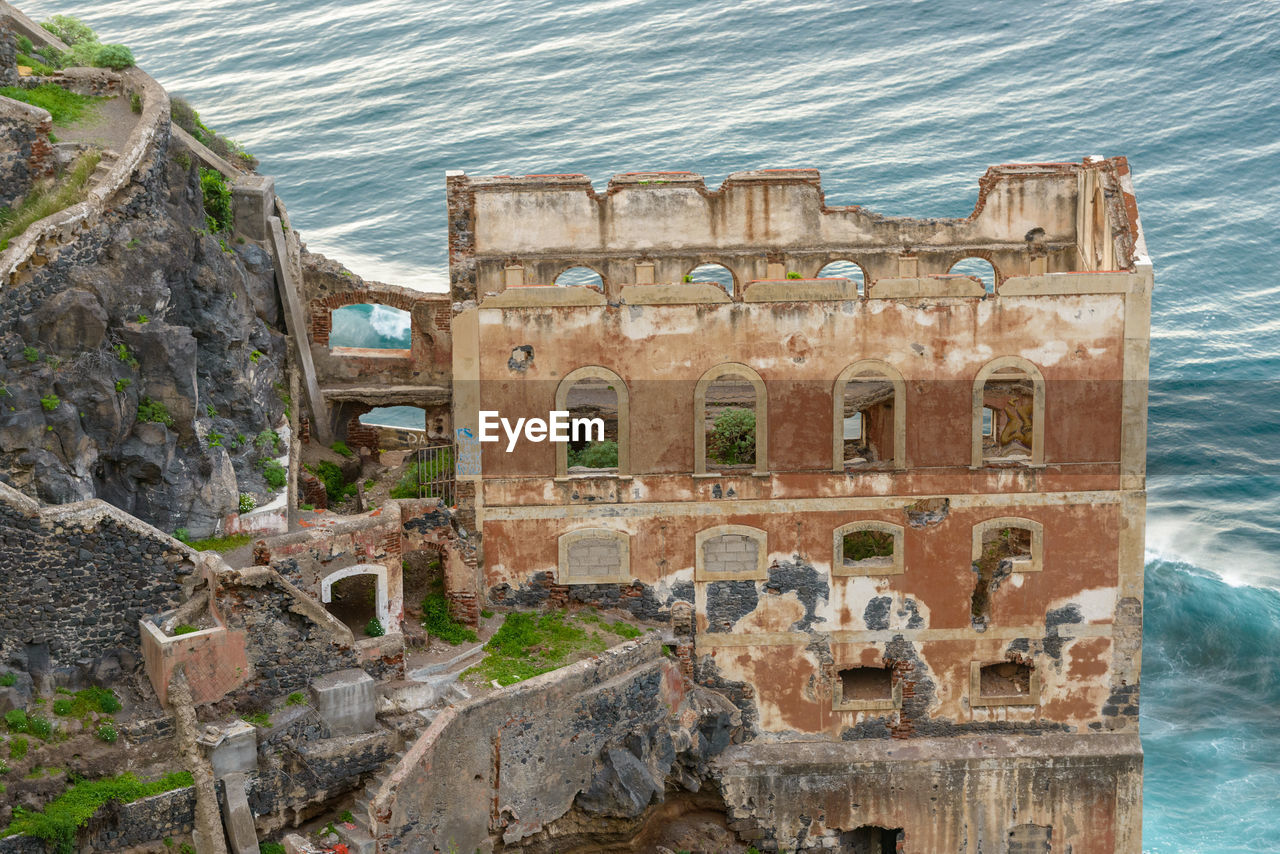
(141, 362)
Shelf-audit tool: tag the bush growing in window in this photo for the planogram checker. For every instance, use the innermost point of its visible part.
(597, 455)
(733, 437)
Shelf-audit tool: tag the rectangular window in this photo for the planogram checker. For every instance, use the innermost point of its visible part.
(865, 689)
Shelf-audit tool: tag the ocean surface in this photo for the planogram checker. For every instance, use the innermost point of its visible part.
(357, 109)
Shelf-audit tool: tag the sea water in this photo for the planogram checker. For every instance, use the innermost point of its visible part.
(357, 109)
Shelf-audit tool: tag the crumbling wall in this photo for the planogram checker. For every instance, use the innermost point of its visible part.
(656, 227)
(944, 794)
(306, 558)
(25, 153)
(75, 580)
(507, 764)
(289, 638)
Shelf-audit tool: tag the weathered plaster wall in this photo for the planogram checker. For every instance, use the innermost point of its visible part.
(943, 794)
(1027, 220)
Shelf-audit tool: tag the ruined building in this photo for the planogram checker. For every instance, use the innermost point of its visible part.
(921, 582)
(883, 521)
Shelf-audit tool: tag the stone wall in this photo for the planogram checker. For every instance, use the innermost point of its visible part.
(508, 764)
(25, 153)
(76, 579)
(118, 826)
(942, 794)
(289, 637)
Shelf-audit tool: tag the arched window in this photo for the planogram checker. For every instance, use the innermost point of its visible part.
(846, 270)
(867, 548)
(356, 595)
(1003, 683)
(580, 277)
(1008, 414)
(979, 268)
(869, 418)
(595, 556)
(369, 326)
(731, 421)
(731, 553)
(596, 399)
(715, 274)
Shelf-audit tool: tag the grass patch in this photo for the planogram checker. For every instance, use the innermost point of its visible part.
(65, 107)
(439, 624)
(529, 644)
(340, 447)
(61, 818)
(38, 68)
(48, 197)
(220, 544)
(261, 719)
(274, 474)
(407, 487)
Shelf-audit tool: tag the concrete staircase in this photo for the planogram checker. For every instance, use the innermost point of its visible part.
(409, 707)
(105, 165)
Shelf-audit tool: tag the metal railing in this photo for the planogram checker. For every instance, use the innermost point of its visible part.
(436, 473)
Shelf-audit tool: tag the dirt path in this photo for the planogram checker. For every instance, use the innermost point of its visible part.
(107, 123)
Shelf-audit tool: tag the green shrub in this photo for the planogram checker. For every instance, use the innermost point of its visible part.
(123, 354)
(271, 848)
(184, 629)
(62, 706)
(103, 700)
(18, 748)
(335, 485)
(58, 822)
(597, 455)
(115, 56)
(217, 199)
(65, 107)
(69, 30)
(50, 402)
(7, 679)
(25, 45)
(340, 447)
(374, 628)
(247, 502)
(182, 535)
(16, 720)
(107, 732)
(135, 102)
(80, 55)
(267, 441)
(256, 355)
(439, 624)
(31, 354)
(733, 437)
(122, 384)
(40, 727)
(261, 719)
(274, 474)
(154, 411)
(297, 698)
